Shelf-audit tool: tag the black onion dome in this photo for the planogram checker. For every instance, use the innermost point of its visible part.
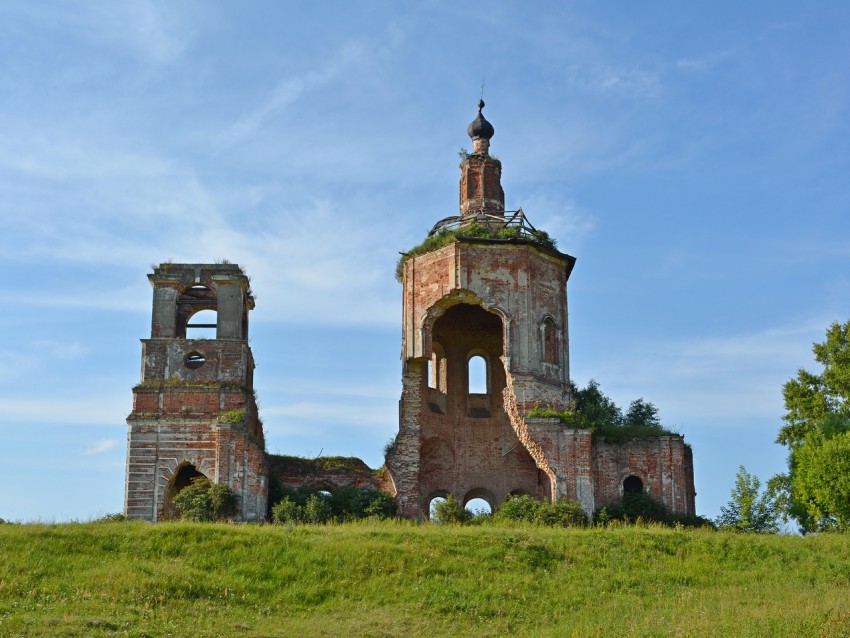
(480, 127)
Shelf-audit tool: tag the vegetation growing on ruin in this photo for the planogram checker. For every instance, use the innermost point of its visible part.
(480, 231)
(402, 579)
(593, 410)
(232, 416)
(299, 464)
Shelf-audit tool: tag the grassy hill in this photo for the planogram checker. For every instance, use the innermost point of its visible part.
(401, 579)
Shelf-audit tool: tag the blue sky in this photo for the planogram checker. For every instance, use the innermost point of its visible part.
(694, 157)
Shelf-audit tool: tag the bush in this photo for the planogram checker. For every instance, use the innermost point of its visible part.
(451, 512)
(642, 507)
(112, 518)
(634, 506)
(304, 505)
(379, 505)
(519, 508)
(204, 500)
(564, 513)
(317, 510)
(287, 511)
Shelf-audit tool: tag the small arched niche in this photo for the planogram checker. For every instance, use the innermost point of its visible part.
(550, 341)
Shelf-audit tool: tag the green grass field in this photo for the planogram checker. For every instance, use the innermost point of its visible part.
(400, 579)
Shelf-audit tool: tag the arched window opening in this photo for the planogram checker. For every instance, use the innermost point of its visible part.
(478, 507)
(432, 373)
(550, 341)
(189, 304)
(477, 374)
(202, 325)
(632, 485)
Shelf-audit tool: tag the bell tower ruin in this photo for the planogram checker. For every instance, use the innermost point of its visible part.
(194, 412)
(484, 341)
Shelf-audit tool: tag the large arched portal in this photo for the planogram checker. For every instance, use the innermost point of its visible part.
(181, 479)
(469, 443)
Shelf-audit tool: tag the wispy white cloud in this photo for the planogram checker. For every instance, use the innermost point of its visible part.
(103, 445)
(155, 31)
(331, 414)
(388, 389)
(706, 61)
(19, 360)
(623, 81)
(289, 91)
(711, 380)
(59, 349)
(103, 409)
(563, 220)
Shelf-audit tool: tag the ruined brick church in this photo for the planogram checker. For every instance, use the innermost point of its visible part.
(484, 341)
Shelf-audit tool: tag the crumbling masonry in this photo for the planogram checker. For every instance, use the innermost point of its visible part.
(492, 297)
(194, 412)
(498, 299)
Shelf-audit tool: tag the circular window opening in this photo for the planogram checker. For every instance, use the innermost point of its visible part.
(194, 360)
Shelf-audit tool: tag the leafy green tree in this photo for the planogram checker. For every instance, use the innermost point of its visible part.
(809, 398)
(815, 490)
(820, 477)
(749, 510)
(642, 414)
(594, 407)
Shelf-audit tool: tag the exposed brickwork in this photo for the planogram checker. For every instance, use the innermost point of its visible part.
(480, 185)
(195, 407)
(324, 473)
(505, 300)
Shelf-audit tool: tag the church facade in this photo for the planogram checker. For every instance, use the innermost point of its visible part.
(485, 341)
